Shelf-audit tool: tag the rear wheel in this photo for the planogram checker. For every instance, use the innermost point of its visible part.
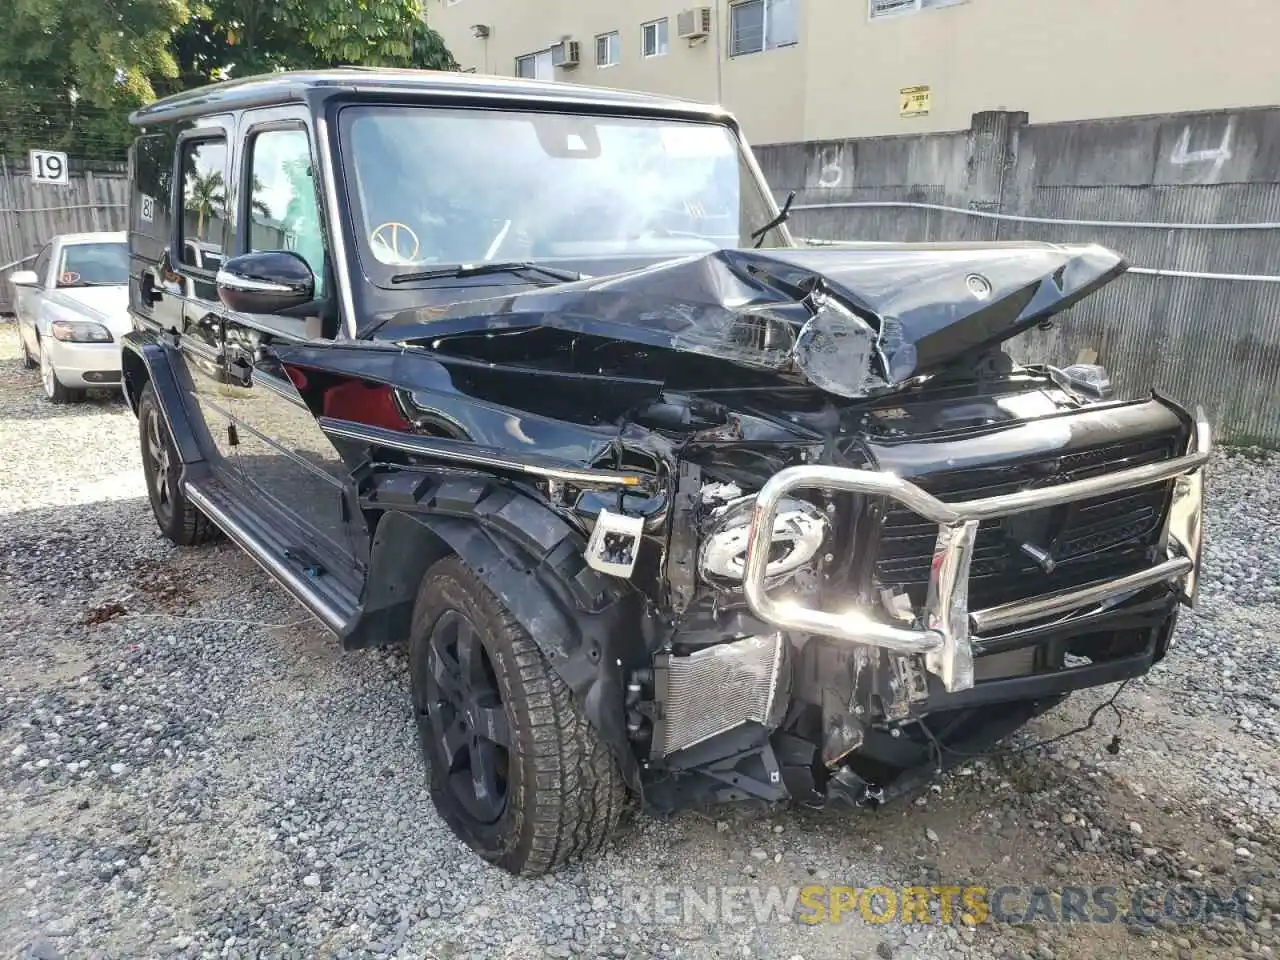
(177, 518)
(53, 387)
(515, 769)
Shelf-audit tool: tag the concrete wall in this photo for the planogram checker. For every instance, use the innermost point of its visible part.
(1056, 59)
(1209, 341)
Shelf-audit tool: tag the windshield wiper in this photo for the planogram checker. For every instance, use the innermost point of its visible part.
(783, 216)
(479, 269)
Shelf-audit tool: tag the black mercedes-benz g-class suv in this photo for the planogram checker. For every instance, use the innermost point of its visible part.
(666, 506)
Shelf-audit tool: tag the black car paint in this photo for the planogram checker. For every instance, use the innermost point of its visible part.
(584, 380)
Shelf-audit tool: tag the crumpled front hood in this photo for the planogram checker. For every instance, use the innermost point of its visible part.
(852, 320)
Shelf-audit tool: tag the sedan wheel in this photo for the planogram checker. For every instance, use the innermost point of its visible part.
(28, 360)
(53, 387)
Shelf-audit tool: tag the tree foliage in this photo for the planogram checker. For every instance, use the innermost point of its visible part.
(71, 70)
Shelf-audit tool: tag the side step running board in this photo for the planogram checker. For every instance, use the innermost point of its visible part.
(295, 582)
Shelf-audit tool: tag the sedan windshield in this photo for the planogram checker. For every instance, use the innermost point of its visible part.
(93, 264)
(445, 186)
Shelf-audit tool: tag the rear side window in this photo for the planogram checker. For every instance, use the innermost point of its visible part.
(204, 203)
(151, 166)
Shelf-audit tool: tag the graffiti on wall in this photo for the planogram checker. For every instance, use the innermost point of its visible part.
(1209, 159)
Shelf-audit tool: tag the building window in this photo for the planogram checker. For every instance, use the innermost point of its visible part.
(536, 66)
(756, 25)
(654, 38)
(889, 8)
(608, 49)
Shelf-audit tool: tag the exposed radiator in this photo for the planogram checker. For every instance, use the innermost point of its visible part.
(721, 687)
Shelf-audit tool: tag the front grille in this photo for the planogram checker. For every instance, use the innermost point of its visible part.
(719, 688)
(1089, 540)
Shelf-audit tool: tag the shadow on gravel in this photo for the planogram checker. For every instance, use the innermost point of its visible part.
(39, 408)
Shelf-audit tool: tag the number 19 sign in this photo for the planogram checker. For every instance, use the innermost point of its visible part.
(49, 166)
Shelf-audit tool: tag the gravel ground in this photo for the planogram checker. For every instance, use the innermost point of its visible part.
(189, 767)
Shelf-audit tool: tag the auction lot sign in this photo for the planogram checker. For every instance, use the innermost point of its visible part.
(49, 166)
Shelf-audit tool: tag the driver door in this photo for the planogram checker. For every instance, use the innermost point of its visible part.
(282, 452)
(27, 301)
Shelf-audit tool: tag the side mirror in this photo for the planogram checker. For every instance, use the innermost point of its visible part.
(24, 278)
(270, 281)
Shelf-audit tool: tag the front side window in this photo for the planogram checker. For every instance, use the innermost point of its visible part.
(451, 186)
(654, 38)
(204, 200)
(758, 25)
(608, 49)
(42, 264)
(93, 265)
(283, 212)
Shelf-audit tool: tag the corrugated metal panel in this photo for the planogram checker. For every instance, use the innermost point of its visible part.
(32, 213)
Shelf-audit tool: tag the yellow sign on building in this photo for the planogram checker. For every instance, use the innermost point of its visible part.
(915, 101)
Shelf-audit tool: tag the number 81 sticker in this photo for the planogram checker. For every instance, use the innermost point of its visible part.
(147, 209)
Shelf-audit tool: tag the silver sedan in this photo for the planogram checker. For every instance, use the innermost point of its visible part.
(72, 310)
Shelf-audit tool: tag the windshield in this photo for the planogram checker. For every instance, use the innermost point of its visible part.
(446, 186)
(92, 264)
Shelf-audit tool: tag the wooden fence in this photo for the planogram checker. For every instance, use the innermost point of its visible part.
(31, 213)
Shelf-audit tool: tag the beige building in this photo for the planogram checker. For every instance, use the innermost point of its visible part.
(820, 69)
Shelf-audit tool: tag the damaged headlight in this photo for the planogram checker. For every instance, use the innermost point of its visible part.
(799, 530)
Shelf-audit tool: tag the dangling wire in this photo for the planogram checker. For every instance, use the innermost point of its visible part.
(1112, 748)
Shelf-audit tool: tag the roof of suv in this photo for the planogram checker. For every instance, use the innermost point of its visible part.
(289, 86)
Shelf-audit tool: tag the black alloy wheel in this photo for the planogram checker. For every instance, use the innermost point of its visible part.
(515, 769)
(468, 732)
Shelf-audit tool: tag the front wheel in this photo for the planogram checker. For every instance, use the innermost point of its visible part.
(54, 388)
(515, 769)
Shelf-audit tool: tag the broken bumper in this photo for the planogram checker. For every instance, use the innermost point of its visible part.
(947, 622)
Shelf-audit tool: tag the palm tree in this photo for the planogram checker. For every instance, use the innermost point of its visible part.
(256, 204)
(206, 197)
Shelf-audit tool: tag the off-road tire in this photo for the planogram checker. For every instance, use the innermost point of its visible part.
(179, 521)
(564, 792)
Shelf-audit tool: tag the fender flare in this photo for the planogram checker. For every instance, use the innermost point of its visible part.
(145, 359)
(584, 625)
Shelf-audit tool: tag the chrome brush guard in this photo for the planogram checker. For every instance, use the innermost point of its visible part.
(948, 622)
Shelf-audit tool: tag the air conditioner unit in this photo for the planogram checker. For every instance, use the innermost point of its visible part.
(566, 54)
(693, 24)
